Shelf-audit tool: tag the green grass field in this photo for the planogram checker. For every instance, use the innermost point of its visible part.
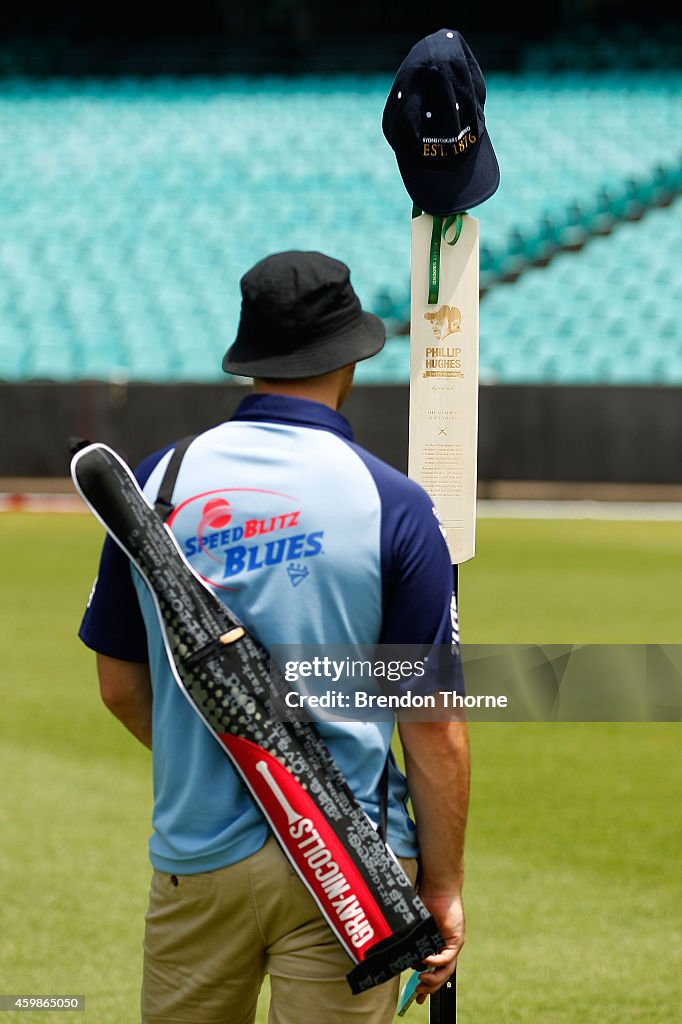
(572, 889)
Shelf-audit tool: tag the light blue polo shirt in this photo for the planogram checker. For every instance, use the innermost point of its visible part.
(308, 539)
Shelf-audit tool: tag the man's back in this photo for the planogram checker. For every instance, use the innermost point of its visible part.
(277, 511)
(309, 540)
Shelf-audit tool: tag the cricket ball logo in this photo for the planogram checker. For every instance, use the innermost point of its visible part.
(445, 321)
(216, 515)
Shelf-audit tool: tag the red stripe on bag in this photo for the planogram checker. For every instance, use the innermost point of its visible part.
(316, 851)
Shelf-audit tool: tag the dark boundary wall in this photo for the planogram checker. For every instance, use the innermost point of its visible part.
(539, 433)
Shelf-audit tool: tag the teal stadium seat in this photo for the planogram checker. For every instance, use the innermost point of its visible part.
(129, 210)
(599, 315)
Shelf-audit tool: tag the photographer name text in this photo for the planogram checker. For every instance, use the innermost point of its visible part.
(360, 699)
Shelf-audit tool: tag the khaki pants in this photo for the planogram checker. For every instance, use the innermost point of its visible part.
(211, 938)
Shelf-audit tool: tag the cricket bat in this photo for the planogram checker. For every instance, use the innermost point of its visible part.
(443, 407)
(443, 415)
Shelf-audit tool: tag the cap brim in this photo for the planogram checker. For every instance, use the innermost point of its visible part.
(444, 192)
(362, 340)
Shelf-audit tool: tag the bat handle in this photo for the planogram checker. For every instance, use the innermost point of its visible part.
(443, 1003)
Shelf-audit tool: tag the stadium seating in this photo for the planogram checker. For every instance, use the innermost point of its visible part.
(609, 313)
(129, 209)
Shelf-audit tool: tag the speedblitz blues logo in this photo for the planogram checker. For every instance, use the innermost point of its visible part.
(228, 533)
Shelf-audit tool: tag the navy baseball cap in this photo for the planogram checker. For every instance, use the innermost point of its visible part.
(433, 120)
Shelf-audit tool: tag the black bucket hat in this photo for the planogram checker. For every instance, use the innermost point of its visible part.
(433, 120)
(300, 317)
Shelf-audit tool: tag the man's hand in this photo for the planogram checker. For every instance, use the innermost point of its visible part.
(448, 913)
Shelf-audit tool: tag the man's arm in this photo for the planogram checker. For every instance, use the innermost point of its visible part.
(126, 689)
(437, 769)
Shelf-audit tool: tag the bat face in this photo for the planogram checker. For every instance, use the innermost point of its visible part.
(443, 427)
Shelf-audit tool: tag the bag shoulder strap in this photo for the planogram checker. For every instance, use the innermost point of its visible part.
(164, 499)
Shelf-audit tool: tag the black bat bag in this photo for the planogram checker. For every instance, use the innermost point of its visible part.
(225, 673)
